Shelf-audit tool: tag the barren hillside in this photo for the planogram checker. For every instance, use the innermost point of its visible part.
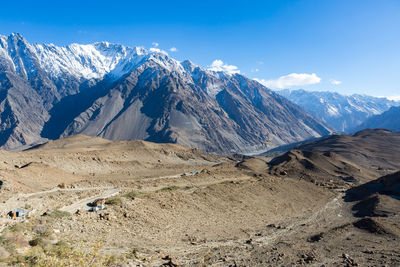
(168, 204)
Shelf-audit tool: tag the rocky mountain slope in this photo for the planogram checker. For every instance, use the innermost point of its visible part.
(388, 120)
(343, 113)
(350, 159)
(121, 93)
(378, 197)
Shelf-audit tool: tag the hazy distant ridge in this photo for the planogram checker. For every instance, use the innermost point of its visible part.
(342, 112)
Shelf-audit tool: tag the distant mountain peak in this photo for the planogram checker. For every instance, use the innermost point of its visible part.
(87, 61)
(342, 112)
(389, 119)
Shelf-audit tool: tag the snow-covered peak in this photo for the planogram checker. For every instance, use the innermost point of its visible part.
(166, 62)
(94, 61)
(91, 61)
(188, 65)
(82, 61)
(16, 37)
(342, 112)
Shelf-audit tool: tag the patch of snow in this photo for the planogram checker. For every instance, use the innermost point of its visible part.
(333, 111)
(356, 107)
(213, 89)
(83, 61)
(92, 61)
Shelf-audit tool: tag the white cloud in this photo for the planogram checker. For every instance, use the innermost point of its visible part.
(395, 97)
(293, 79)
(335, 82)
(173, 49)
(218, 65)
(260, 62)
(255, 70)
(157, 50)
(155, 44)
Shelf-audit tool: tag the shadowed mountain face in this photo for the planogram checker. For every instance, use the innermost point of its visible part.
(341, 112)
(356, 158)
(380, 197)
(121, 93)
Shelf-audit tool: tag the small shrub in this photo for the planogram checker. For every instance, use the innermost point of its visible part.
(113, 201)
(4, 254)
(32, 259)
(34, 242)
(43, 230)
(169, 188)
(18, 227)
(133, 194)
(66, 254)
(59, 214)
(12, 240)
(132, 254)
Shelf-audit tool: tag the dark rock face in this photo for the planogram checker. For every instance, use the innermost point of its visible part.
(121, 93)
(377, 198)
(22, 112)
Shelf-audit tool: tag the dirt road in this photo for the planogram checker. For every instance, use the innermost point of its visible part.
(83, 204)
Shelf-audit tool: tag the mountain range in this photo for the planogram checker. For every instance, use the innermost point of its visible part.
(119, 93)
(343, 113)
(389, 120)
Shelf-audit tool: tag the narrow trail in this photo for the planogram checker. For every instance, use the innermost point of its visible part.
(19, 200)
(57, 189)
(82, 204)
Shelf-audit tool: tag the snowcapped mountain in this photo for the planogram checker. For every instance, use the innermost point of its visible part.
(343, 113)
(388, 120)
(120, 92)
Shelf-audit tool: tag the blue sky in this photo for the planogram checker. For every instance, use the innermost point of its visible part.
(346, 46)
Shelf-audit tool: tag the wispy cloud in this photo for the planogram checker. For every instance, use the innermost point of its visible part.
(293, 79)
(255, 70)
(395, 97)
(219, 65)
(155, 44)
(335, 82)
(157, 50)
(173, 49)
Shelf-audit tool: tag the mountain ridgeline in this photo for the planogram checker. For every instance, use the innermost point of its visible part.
(389, 120)
(121, 93)
(341, 112)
